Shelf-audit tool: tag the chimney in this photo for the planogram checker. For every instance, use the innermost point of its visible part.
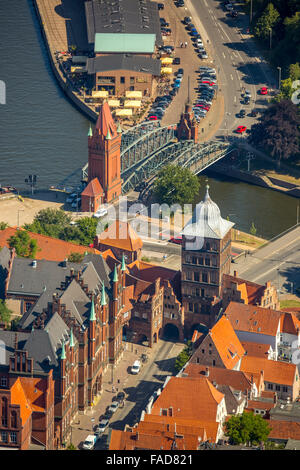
(206, 372)
(235, 274)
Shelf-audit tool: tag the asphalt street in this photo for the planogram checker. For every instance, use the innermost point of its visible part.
(278, 262)
(234, 56)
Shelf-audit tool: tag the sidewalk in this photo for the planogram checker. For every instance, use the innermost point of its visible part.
(84, 423)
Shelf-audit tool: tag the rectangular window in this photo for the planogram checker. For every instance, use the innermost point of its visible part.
(3, 382)
(4, 436)
(270, 386)
(13, 437)
(194, 260)
(190, 307)
(122, 79)
(131, 80)
(204, 277)
(207, 261)
(284, 389)
(277, 388)
(196, 277)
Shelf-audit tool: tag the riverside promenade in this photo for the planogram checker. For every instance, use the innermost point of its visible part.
(63, 26)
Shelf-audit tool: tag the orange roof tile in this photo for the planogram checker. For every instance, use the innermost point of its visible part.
(289, 324)
(259, 405)
(252, 318)
(49, 248)
(251, 292)
(120, 235)
(93, 188)
(256, 349)
(35, 390)
(182, 394)
(284, 429)
(105, 122)
(18, 397)
(226, 342)
(274, 371)
(238, 380)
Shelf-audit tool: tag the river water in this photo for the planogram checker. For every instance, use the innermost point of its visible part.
(42, 133)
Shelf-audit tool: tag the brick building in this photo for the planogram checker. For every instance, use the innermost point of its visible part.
(206, 256)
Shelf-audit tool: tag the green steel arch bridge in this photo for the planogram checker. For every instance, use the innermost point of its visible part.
(147, 147)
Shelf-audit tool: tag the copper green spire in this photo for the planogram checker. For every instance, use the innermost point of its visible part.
(103, 298)
(63, 351)
(90, 132)
(115, 279)
(71, 339)
(119, 129)
(123, 267)
(92, 312)
(108, 136)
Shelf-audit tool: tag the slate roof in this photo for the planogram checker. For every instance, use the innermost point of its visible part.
(131, 62)
(122, 16)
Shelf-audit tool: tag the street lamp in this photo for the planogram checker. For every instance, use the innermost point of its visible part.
(270, 30)
(279, 77)
(19, 210)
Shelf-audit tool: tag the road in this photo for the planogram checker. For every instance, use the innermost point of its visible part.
(278, 262)
(139, 388)
(235, 58)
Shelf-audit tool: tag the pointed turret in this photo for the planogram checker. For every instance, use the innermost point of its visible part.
(103, 297)
(92, 311)
(123, 267)
(63, 351)
(90, 132)
(72, 343)
(115, 279)
(108, 136)
(119, 128)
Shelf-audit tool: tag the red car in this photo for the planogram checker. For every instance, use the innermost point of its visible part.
(177, 240)
(152, 118)
(204, 106)
(264, 90)
(241, 129)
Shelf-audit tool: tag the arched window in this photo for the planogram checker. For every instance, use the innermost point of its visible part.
(4, 411)
(14, 419)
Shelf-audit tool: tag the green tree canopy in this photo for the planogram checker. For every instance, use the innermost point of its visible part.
(266, 21)
(278, 131)
(5, 312)
(247, 428)
(176, 185)
(23, 244)
(75, 257)
(49, 222)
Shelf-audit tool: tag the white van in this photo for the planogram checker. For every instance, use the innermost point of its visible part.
(89, 442)
(135, 368)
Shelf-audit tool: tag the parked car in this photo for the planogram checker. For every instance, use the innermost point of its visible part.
(241, 129)
(242, 113)
(187, 19)
(100, 213)
(160, 6)
(89, 442)
(101, 427)
(254, 113)
(180, 71)
(136, 367)
(152, 118)
(176, 61)
(114, 406)
(203, 55)
(263, 90)
(120, 397)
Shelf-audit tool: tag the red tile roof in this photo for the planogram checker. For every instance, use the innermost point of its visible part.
(120, 235)
(289, 324)
(256, 349)
(284, 430)
(105, 122)
(182, 394)
(238, 380)
(251, 292)
(93, 188)
(252, 318)
(18, 397)
(283, 373)
(259, 405)
(226, 342)
(49, 248)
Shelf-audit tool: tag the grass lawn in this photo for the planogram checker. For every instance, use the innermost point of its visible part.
(247, 239)
(289, 303)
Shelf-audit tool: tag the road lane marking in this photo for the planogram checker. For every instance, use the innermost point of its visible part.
(234, 99)
(231, 76)
(223, 54)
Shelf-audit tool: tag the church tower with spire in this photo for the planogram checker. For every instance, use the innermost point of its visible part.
(206, 256)
(104, 162)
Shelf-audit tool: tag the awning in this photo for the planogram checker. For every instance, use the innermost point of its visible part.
(132, 104)
(166, 70)
(166, 60)
(133, 94)
(100, 94)
(78, 69)
(114, 103)
(124, 112)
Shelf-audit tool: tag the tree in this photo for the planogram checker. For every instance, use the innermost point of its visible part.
(3, 225)
(87, 227)
(23, 244)
(247, 428)
(266, 22)
(183, 356)
(278, 132)
(71, 447)
(5, 312)
(176, 185)
(49, 222)
(75, 257)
